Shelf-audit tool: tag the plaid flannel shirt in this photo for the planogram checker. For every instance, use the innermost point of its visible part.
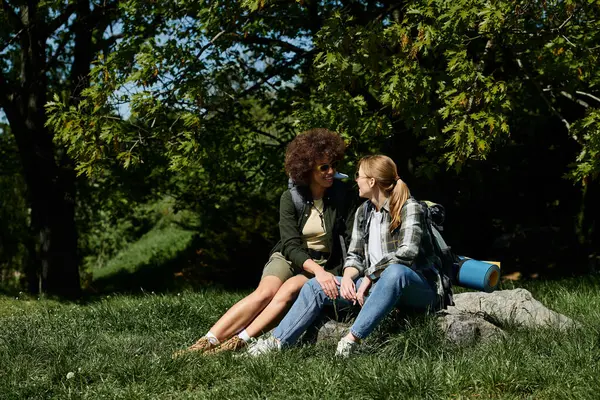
(410, 244)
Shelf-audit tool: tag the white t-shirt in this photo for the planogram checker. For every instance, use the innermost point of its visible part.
(375, 247)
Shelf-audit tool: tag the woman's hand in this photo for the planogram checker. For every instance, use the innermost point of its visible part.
(363, 290)
(348, 289)
(328, 283)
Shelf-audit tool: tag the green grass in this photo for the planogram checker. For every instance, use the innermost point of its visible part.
(120, 347)
(146, 263)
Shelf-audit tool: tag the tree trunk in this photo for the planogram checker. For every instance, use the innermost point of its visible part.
(51, 188)
(48, 173)
(51, 193)
(53, 221)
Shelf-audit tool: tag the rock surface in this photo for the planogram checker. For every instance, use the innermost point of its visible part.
(333, 330)
(462, 328)
(476, 316)
(515, 306)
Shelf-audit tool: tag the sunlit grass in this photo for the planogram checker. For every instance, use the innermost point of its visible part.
(120, 347)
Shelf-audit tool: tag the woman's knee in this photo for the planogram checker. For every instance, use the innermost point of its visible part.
(266, 291)
(287, 295)
(396, 273)
(312, 284)
(310, 288)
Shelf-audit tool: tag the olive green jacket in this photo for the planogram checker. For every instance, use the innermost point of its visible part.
(339, 206)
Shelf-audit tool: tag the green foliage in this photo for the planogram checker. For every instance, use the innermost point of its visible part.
(457, 76)
(588, 160)
(191, 103)
(112, 227)
(121, 346)
(503, 93)
(127, 244)
(156, 250)
(201, 115)
(46, 50)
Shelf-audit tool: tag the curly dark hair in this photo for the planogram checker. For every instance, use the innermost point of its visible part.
(303, 153)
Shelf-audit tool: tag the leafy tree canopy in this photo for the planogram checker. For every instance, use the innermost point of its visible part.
(209, 98)
(226, 83)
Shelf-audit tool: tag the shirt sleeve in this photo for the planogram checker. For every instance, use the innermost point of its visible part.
(356, 250)
(292, 245)
(408, 242)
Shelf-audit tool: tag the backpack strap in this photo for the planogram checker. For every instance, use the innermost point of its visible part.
(298, 201)
(443, 252)
(365, 206)
(343, 247)
(299, 197)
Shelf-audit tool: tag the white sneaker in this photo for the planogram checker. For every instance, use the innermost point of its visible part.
(345, 347)
(263, 346)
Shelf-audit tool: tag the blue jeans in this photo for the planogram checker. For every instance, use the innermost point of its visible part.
(397, 285)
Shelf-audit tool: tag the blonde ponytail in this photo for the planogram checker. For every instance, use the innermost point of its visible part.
(399, 195)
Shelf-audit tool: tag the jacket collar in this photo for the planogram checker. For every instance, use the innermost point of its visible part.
(385, 206)
(304, 190)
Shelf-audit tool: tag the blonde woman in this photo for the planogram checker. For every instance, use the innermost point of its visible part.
(390, 262)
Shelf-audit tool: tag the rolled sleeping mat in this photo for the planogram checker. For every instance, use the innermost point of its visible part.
(479, 275)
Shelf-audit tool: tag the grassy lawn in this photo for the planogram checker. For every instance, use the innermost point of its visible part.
(120, 347)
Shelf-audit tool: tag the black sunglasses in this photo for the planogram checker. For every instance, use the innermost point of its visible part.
(325, 167)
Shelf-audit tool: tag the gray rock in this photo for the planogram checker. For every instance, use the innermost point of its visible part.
(474, 315)
(333, 330)
(515, 306)
(465, 328)
(471, 317)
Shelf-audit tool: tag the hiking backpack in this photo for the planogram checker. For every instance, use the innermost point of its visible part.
(434, 219)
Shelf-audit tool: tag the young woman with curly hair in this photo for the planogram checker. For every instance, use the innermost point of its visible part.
(309, 245)
(391, 256)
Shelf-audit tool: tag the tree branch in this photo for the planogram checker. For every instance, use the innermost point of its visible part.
(212, 41)
(480, 67)
(588, 95)
(100, 12)
(61, 46)
(578, 101)
(276, 71)
(89, 23)
(12, 39)
(61, 19)
(13, 17)
(566, 21)
(266, 134)
(253, 39)
(105, 44)
(548, 103)
(390, 9)
(128, 122)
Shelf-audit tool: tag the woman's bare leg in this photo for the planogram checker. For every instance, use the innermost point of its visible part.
(245, 310)
(275, 311)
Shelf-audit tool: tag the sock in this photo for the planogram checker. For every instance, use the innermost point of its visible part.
(244, 336)
(212, 338)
